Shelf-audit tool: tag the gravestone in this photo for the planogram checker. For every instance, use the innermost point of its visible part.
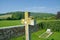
(48, 30)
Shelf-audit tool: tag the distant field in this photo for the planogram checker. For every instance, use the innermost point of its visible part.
(5, 23)
(5, 16)
(9, 23)
(35, 36)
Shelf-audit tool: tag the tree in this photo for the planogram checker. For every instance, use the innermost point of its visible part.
(58, 15)
(18, 15)
(8, 18)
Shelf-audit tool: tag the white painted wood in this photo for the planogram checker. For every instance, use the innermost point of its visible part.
(32, 22)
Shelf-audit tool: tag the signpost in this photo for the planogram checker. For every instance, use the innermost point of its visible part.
(26, 22)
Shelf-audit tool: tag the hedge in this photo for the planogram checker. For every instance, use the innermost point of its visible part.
(53, 25)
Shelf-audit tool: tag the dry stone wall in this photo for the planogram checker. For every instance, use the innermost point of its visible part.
(7, 33)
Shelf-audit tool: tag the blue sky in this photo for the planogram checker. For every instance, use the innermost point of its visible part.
(50, 6)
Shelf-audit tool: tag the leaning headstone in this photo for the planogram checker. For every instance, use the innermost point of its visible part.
(48, 30)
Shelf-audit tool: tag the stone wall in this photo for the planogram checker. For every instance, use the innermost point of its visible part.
(7, 33)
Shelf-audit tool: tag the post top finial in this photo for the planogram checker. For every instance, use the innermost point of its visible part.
(26, 11)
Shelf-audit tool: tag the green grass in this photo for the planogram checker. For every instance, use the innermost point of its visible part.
(55, 36)
(44, 35)
(38, 21)
(17, 38)
(9, 23)
(4, 23)
(35, 36)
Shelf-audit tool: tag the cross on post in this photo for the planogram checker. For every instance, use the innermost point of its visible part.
(26, 22)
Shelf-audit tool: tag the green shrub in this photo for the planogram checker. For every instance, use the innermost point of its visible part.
(52, 39)
(54, 25)
(17, 15)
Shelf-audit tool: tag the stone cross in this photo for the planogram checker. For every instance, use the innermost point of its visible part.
(26, 22)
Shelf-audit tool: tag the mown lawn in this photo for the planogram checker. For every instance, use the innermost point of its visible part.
(35, 36)
(5, 23)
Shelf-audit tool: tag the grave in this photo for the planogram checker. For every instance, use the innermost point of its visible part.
(48, 30)
(46, 34)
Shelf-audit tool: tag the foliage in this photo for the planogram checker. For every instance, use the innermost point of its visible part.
(54, 25)
(12, 15)
(43, 16)
(9, 18)
(18, 15)
(58, 15)
(52, 39)
(4, 17)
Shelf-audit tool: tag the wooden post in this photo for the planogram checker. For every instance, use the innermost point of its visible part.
(26, 22)
(26, 26)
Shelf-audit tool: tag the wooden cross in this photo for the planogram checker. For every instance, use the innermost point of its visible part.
(27, 21)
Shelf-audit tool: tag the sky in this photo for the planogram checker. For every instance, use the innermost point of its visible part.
(47, 6)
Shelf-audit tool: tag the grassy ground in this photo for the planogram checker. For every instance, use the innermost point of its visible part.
(38, 21)
(4, 23)
(9, 23)
(55, 36)
(35, 36)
